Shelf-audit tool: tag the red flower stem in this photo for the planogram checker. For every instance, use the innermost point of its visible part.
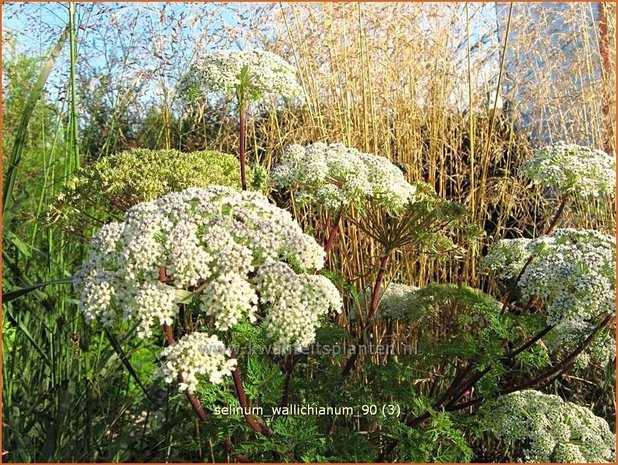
(332, 232)
(375, 293)
(254, 424)
(373, 309)
(169, 338)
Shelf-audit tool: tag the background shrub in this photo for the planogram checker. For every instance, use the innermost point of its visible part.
(104, 190)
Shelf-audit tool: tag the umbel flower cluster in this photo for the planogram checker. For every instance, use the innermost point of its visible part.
(573, 274)
(573, 169)
(233, 254)
(413, 305)
(397, 303)
(196, 354)
(251, 75)
(335, 175)
(568, 335)
(548, 429)
(507, 257)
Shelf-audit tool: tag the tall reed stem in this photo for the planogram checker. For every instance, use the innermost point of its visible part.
(73, 139)
(242, 108)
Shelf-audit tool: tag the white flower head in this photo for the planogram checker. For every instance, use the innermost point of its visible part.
(550, 429)
(254, 74)
(233, 253)
(335, 175)
(573, 168)
(507, 257)
(296, 303)
(194, 356)
(571, 271)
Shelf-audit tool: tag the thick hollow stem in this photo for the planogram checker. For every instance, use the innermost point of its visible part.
(565, 363)
(243, 145)
(332, 232)
(545, 376)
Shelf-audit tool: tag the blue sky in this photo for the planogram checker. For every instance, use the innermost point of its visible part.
(37, 26)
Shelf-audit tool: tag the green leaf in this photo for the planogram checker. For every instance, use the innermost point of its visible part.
(12, 295)
(183, 296)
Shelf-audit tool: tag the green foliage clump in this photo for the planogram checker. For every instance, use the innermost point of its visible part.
(438, 441)
(104, 190)
(470, 322)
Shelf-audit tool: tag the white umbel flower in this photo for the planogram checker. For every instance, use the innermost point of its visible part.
(194, 356)
(549, 429)
(229, 298)
(572, 272)
(397, 303)
(335, 175)
(257, 74)
(507, 257)
(573, 168)
(153, 305)
(296, 303)
(242, 256)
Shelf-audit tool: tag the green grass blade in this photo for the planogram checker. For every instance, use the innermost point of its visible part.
(20, 137)
(125, 361)
(12, 295)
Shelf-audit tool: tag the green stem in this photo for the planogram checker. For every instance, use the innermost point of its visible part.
(243, 143)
